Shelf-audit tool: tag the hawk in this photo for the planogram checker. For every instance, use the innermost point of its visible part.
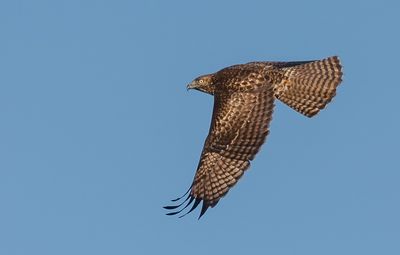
(244, 98)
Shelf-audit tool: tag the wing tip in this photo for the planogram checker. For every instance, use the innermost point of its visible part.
(189, 200)
(204, 208)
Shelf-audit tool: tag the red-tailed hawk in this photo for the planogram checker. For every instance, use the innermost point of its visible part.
(244, 98)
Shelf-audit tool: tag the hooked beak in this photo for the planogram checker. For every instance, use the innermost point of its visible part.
(191, 85)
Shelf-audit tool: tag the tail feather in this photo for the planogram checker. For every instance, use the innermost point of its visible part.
(309, 87)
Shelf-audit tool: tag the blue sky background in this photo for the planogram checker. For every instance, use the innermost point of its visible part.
(98, 132)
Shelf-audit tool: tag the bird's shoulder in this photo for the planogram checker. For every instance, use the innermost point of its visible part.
(242, 77)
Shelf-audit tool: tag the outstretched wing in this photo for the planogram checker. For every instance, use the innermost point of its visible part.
(239, 127)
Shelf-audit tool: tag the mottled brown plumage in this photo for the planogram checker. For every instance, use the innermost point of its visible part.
(243, 105)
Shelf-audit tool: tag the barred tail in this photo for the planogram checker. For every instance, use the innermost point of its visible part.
(309, 87)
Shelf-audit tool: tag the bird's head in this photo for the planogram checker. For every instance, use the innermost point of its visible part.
(203, 83)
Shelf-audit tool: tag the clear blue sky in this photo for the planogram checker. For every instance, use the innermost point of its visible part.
(98, 132)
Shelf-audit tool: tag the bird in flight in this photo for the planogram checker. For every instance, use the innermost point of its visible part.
(244, 98)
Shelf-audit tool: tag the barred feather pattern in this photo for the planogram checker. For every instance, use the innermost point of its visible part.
(243, 106)
(239, 127)
(308, 88)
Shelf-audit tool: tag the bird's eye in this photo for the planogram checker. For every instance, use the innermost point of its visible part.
(201, 81)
